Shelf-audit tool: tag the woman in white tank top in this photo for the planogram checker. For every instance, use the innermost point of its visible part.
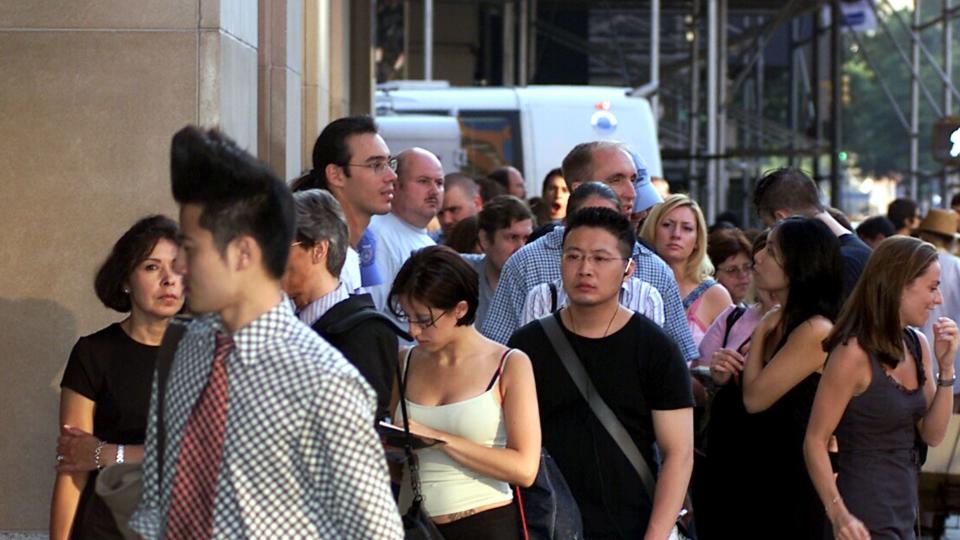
(470, 393)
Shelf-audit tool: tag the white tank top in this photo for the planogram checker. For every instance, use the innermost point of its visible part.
(446, 485)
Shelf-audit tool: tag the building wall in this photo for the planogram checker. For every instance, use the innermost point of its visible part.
(91, 94)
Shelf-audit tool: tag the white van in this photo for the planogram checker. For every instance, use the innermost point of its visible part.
(531, 128)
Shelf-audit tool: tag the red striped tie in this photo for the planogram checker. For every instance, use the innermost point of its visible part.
(195, 481)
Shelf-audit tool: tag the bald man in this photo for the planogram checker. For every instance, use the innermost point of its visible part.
(418, 198)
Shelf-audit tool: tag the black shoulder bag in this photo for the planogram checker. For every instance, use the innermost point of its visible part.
(604, 414)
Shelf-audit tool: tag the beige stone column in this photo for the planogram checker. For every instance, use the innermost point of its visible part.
(91, 93)
(280, 68)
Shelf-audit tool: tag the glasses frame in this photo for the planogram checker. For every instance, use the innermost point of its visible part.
(379, 167)
(432, 323)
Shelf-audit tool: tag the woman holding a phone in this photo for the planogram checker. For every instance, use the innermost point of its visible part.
(471, 395)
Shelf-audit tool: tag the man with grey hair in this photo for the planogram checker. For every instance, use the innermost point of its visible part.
(350, 323)
(461, 199)
(538, 262)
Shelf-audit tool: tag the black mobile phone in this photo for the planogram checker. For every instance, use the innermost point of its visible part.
(396, 436)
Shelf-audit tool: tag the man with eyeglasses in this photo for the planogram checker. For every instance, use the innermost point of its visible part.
(636, 370)
(538, 262)
(352, 161)
(403, 230)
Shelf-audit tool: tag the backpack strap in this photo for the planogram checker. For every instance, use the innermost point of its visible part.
(732, 319)
(553, 296)
(362, 315)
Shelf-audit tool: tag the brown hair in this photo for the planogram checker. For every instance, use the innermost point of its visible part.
(872, 314)
(130, 250)
(437, 277)
(725, 243)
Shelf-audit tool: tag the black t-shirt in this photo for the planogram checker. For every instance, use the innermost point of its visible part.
(116, 372)
(637, 369)
(853, 254)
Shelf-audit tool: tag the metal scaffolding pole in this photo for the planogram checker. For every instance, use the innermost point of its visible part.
(947, 43)
(914, 105)
(655, 58)
(695, 102)
(723, 178)
(794, 100)
(817, 95)
(427, 40)
(509, 43)
(712, 102)
(522, 42)
(836, 107)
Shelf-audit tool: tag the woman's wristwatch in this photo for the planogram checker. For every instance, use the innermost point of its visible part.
(120, 450)
(946, 382)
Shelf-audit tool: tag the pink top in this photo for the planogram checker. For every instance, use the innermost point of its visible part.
(697, 328)
(742, 330)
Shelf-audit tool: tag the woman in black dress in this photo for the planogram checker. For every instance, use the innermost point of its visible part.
(106, 385)
(878, 394)
(800, 266)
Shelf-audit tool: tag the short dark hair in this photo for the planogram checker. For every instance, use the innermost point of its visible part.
(587, 190)
(130, 250)
(438, 277)
(725, 243)
(875, 226)
(331, 148)
(900, 211)
(609, 220)
(489, 189)
(500, 213)
(840, 217)
(501, 175)
(787, 189)
(238, 194)
(459, 180)
(319, 218)
(955, 200)
(550, 174)
(463, 238)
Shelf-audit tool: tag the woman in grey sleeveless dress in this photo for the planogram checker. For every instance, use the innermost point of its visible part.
(878, 395)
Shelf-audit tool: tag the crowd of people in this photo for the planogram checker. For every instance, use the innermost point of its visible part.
(377, 340)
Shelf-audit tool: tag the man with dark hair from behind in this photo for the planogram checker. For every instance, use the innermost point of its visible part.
(905, 215)
(875, 229)
(351, 323)
(789, 192)
(268, 429)
(504, 225)
(538, 262)
(352, 162)
(636, 369)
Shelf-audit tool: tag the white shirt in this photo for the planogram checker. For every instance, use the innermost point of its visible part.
(350, 273)
(635, 295)
(312, 312)
(950, 289)
(396, 240)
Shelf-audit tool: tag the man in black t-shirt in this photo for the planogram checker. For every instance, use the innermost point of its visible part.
(789, 192)
(637, 370)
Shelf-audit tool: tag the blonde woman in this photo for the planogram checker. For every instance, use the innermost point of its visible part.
(678, 233)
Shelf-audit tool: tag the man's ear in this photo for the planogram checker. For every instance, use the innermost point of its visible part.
(780, 215)
(335, 176)
(244, 252)
(478, 202)
(319, 251)
(482, 239)
(628, 271)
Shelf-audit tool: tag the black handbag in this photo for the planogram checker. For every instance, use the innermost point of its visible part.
(608, 419)
(547, 507)
(417, 524)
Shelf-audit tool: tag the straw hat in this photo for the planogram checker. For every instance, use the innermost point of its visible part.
(939, 221)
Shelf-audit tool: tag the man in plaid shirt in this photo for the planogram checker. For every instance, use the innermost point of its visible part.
(268, 429)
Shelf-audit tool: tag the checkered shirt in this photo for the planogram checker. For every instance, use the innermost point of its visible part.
(539, 262)
(300, 455)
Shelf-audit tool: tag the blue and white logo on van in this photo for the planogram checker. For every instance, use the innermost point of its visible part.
(604, 122)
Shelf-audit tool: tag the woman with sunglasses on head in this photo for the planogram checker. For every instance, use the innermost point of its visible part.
(106, 386)
(471, 395)
(801, 267)
(677, 231)
(878, 394)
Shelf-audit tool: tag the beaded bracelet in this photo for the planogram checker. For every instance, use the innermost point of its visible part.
(96, 455)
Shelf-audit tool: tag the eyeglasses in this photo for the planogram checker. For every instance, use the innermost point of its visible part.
(378, 167)
(423, 322)
(596, 260)
(735, 271)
